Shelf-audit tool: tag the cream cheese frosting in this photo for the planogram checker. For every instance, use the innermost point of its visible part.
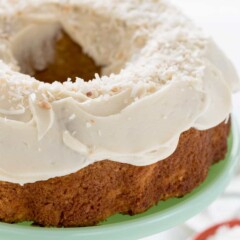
(161, 77)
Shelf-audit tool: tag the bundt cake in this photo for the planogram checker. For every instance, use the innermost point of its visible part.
(105, 107)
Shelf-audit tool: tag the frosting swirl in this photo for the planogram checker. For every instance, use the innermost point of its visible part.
(161, 76)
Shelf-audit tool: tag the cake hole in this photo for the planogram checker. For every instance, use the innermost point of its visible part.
(69, 62)
(45, 51)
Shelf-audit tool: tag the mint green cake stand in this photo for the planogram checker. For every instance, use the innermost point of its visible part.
(159, 218)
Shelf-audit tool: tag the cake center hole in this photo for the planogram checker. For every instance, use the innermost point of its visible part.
(69, 62)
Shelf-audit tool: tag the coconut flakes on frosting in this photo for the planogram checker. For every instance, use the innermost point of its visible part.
(161, 76)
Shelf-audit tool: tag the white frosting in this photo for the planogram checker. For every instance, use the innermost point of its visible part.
(161, 77)
(226, 233)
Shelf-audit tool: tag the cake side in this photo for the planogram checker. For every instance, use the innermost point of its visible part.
(104, 188)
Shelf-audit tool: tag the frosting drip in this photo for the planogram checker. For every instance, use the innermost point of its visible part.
(161, 77)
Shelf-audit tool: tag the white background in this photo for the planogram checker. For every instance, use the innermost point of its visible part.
(221, 19)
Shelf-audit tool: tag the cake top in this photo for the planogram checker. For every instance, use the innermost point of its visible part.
(161, 76)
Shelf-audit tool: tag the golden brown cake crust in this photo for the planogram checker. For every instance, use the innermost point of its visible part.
(104, 188)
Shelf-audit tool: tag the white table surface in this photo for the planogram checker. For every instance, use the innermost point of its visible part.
(221, 19)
